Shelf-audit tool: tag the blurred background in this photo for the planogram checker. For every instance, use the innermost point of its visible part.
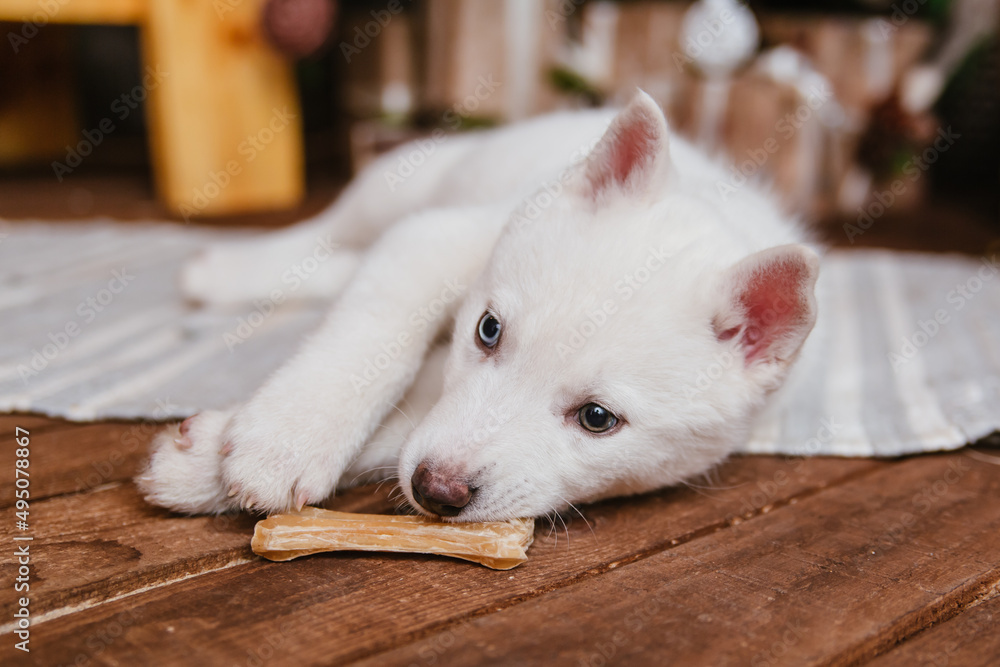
(254, 112)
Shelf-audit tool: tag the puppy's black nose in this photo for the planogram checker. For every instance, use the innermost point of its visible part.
(437, 493)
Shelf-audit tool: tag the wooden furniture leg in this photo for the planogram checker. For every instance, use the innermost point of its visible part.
(224, 119)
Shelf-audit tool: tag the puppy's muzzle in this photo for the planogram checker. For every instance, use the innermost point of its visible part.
(439, 493)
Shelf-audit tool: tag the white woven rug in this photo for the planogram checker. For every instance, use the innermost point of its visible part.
(93, 327)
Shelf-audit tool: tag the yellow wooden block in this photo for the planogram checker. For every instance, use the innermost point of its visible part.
(225, 123)
(41, 12)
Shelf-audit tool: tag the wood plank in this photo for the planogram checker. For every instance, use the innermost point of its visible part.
(34, 423)
(970, 639)
(336, 607)
(74, 11)
(832, 579)
(68, 458)
(108, 542)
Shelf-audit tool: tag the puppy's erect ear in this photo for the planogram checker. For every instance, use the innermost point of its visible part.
(633, 155)
(769, 304)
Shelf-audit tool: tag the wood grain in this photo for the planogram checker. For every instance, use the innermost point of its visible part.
(108, 542)
(832, 579)
(971, 639)
(337, 607)
(35, 423)
(68, 458)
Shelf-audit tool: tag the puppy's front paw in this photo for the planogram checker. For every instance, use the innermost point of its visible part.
(184, 472)
(278, 461)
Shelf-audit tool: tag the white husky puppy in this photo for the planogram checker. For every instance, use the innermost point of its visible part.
(587, 283)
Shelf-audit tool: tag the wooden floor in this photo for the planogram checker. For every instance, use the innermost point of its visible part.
(773, 561)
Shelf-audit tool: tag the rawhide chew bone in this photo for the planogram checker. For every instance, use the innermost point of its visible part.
(500, 545)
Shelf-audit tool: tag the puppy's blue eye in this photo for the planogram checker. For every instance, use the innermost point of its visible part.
(596, 418)
(489, 330)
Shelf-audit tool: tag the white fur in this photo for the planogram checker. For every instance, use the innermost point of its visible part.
(661, 247)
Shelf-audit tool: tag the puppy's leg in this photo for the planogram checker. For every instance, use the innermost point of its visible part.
(379, 457)
(317, 257)
(291, 443)
(239, 272)
(184, 471)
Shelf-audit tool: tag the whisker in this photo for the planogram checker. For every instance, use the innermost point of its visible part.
(404, 507)
(552, 526)
(980, 456)
(378, 486)
(371, 470)
(577, 510)
(698, 490)
(712, 483)
(565, 528)
(405, 416)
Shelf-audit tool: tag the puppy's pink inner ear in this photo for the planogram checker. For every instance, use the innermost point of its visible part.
(633, 147)
(775, 299)
(633, 154)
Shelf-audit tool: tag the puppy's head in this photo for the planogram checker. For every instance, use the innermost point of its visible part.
(614, 344)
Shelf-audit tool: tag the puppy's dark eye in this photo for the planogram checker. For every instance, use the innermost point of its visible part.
(489, 330)
(596, 418)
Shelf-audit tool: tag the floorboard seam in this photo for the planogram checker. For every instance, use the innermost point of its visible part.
(606, 567)
(104, 486)
(947, 608)
(88, 605)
